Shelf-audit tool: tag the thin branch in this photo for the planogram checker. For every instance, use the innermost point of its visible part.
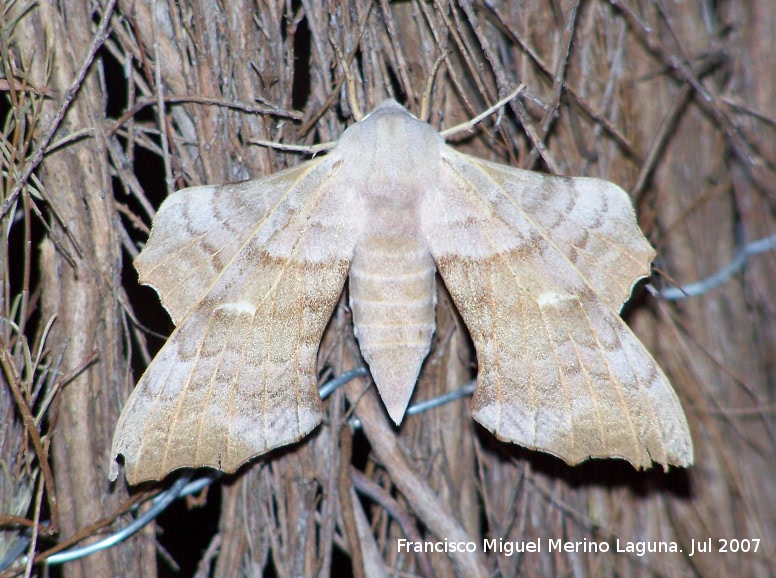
(141, 103)
(557, 82)
(587, 107)
(160, 108)
(427, 505)
(346, 505)
(70, 93)
(29, 423)
(477, 119)
(337, 85)
(708, 100)
(369, 488)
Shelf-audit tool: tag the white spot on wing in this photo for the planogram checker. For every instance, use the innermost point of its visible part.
(553, 299)
(239, 307)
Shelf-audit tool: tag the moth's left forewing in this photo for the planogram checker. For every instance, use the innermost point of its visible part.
(197, 232)
(559, 370)
(237, 376)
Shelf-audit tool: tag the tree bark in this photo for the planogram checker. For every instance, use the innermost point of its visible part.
(85, 300)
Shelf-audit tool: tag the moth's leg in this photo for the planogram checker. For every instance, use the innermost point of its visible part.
(473, 122)
(306, 149)
(425, 103)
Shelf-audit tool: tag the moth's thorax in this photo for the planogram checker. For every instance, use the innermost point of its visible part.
(390, 156)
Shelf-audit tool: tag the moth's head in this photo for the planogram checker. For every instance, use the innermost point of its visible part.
(391, 153)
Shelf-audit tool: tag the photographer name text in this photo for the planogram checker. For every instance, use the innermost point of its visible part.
(639, 548)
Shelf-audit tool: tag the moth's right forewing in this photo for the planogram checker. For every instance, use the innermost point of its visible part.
(590, 221)
(559, 370)
(237, 377)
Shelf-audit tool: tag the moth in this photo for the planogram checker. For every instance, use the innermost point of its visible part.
(538, 267)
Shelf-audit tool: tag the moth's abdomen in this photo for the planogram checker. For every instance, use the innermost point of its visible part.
(392, 295)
